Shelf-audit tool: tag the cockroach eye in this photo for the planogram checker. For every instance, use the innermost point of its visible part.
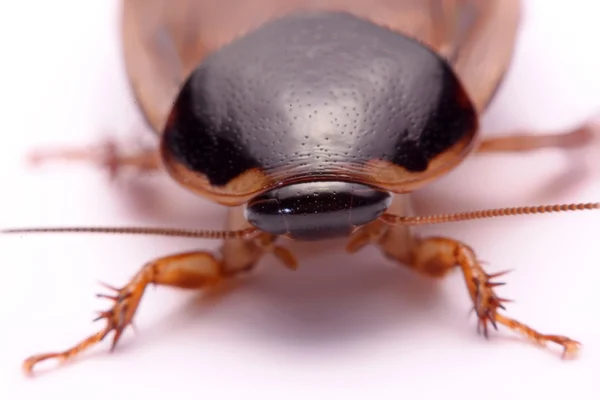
(316, 210)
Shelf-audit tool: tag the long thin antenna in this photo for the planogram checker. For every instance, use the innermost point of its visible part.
(482, 214)
(197, 234)
(387, 218)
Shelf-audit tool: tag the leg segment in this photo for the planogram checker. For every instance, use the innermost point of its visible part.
(437, 256)
(108, 155)
(194, 270)
(242, 255)
(527, 141)
(189, 271)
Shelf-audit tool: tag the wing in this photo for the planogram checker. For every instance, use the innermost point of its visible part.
(164, 40)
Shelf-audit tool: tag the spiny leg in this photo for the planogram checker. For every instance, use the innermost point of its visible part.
(190, 270)
(193, 270)
(435, 257)
(579, 137)
(107, 155)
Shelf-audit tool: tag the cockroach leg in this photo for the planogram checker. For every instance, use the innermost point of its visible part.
(107, 155)
(579, 137)
(190, 271)
(437, 256)
(193, 270)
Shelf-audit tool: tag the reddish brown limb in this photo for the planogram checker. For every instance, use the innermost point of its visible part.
(436, 257)
(193, 270)
(190, 271)
(527, 141)
(108, 155)
(570, 347)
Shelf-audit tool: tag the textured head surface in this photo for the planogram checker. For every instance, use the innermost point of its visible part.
(316, 210)
(319, 94)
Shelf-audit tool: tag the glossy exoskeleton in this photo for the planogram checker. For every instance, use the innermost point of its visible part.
(329, 110)
(312, 120)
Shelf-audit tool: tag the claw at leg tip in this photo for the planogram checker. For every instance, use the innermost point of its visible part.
(571, 350)
(27, 367)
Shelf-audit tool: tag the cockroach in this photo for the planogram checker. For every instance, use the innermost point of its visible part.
(313, 120)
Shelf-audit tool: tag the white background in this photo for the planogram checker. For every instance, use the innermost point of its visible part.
(342, 326)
